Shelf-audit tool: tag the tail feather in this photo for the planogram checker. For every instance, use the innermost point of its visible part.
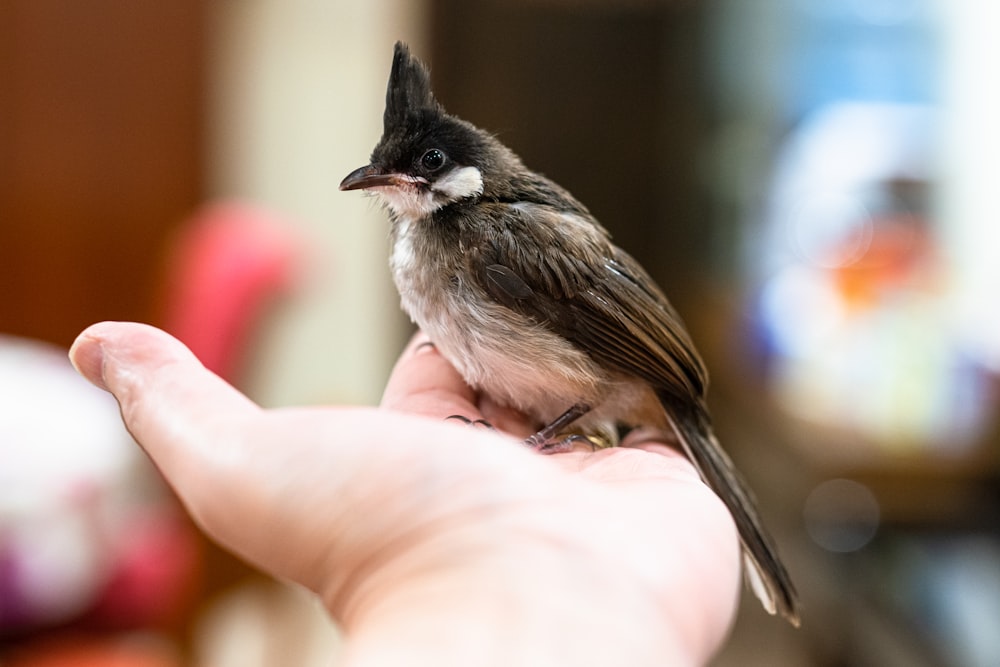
(764, 572)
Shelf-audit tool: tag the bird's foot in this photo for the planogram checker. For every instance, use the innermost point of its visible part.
(551, 439)
(563, 443)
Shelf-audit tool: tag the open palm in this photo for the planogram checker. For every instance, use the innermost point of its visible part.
(429, 541)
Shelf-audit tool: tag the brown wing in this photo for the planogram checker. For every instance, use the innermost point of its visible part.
(563, 272)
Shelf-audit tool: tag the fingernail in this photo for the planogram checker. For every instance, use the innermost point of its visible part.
(424, 346)
(87, 356)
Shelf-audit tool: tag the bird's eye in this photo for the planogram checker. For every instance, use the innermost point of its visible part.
(432, 160)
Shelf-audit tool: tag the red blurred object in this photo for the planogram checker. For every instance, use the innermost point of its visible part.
(157, 574)
(227, 265)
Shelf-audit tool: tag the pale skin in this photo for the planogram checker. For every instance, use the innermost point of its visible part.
(431, 542)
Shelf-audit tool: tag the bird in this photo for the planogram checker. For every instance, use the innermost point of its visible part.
(522, 290)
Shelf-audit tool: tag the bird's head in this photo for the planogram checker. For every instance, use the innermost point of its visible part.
(427, 159)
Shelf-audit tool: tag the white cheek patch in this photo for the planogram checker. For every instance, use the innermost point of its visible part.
(459, 184)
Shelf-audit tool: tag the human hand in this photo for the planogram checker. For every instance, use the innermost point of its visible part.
(428, 541)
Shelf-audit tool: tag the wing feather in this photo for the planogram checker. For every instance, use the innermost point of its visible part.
(562, 271)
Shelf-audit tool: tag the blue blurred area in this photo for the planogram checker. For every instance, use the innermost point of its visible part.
(793, 56)
(884, 50)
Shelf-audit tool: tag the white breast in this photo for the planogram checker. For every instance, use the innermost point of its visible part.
(497, 351)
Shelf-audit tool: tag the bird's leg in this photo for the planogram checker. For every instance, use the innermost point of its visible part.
(547, 440)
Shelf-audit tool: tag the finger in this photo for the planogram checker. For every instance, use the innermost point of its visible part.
(653, 440)
(423, 382)
(169, 401)
(211, 443)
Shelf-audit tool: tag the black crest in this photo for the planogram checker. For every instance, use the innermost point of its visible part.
(409, 89)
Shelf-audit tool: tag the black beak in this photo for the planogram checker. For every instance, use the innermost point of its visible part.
(369, 176)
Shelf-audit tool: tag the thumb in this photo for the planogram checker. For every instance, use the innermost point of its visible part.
(190, 422)
(168, 399)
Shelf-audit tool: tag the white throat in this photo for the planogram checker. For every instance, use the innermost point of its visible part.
(414, 201)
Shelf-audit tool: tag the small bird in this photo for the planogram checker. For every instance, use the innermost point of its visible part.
(522, 290)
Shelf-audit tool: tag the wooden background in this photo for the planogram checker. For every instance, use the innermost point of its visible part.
(100, 156)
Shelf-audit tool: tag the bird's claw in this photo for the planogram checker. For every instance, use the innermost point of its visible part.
(471, 422)
(558, 445)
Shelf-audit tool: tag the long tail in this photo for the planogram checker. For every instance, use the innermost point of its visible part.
(764, 573)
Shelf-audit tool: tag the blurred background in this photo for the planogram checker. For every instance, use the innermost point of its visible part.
(811, 182)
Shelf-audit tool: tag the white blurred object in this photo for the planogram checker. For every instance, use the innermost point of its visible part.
(827, 173)
(56, 429)
(66, 466)
(857, 294)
